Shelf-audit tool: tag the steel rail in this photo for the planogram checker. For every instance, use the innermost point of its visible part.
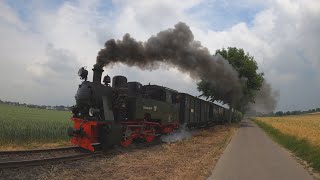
(35, 162)
(39, 150)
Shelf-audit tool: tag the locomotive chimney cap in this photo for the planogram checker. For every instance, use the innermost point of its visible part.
(95, 68)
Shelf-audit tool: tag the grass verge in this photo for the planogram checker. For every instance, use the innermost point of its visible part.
(300, 147)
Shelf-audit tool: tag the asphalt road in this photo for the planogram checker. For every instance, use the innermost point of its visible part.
(251, 154)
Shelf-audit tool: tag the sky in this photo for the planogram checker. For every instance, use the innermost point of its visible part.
(44, 43)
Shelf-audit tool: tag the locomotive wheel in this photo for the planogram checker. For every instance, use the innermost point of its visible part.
(126, 142)
(150, 135)
(149, 138)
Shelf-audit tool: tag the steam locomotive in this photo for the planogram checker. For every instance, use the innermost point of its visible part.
(129, 111)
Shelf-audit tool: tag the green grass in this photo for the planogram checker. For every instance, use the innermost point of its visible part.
(300, 147)
(22, 125)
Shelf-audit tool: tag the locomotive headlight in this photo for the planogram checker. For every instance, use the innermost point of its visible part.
(93, 111)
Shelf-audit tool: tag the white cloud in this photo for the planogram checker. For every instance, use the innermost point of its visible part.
(71, 28)
(146, 17)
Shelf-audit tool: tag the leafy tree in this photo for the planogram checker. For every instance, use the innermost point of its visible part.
(295, 112)
(279, 113)
(247, 68)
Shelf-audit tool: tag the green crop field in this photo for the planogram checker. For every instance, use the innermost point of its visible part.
(23, 125)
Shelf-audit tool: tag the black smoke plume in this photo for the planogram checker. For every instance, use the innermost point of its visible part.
(175, 47)
(265, 100)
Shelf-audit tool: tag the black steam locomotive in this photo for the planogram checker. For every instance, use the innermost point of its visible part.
(128, 111)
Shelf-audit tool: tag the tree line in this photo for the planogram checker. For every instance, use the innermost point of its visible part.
(296, 112)
(57, 107)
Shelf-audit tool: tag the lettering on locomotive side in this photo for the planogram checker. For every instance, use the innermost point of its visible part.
(146, 108)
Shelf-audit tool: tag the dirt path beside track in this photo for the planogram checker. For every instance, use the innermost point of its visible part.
(251, 154)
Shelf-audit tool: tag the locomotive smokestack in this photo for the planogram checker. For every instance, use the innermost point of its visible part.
(97, 73)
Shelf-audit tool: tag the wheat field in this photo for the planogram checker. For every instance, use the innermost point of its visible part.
(21, 126)
(300, 126)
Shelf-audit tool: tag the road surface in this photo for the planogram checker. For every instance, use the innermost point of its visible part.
(251, 154)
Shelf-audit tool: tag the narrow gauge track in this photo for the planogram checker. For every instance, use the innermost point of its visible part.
(38, 150)
(12, 159)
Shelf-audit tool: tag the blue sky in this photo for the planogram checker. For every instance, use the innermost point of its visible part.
(38, 36)
(222, 14)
